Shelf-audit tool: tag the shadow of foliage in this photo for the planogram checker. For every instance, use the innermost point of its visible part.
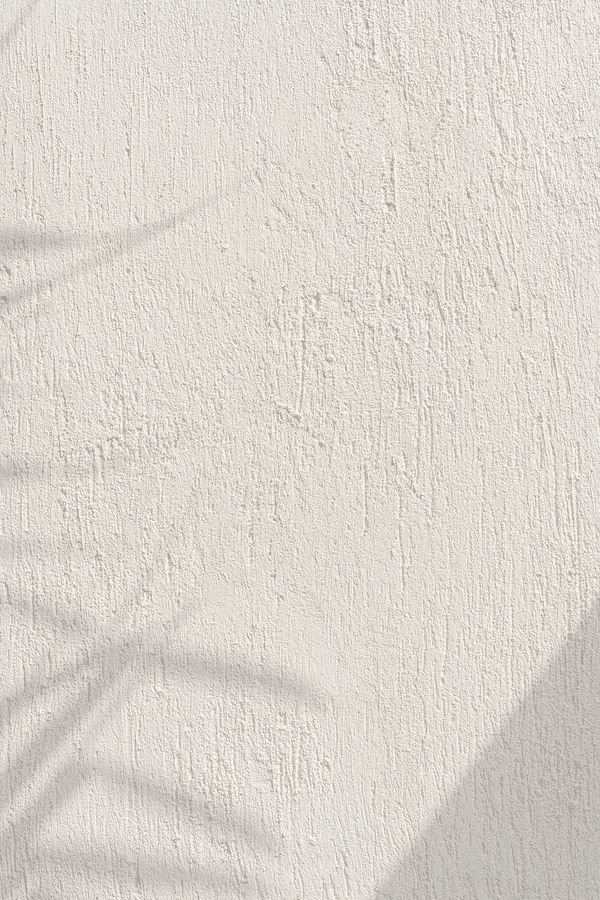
(99, 249)
(95, 685)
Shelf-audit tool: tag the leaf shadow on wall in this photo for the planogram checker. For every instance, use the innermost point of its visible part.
(525, 821)
(49, 727)
(97, 249)
(50, 768)
(65, 707)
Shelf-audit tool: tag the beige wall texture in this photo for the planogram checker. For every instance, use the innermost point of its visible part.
(299, 449)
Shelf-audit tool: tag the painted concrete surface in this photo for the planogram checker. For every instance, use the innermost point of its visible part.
(299, 450)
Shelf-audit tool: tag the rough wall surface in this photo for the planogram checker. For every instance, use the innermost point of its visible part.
(299, 449)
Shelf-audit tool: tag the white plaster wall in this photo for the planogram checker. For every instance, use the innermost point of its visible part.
(299, 449)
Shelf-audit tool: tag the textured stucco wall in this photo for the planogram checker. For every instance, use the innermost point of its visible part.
(299, 449)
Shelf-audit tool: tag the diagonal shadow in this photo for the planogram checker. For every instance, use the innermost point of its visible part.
(525, 821)
(101, 677)
(104, 247)
(19, 240)
(200, 665)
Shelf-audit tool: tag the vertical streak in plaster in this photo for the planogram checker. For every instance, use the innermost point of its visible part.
(300, 398)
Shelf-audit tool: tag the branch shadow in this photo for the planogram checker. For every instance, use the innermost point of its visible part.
(104, 247)
(71, 702)
(48, 769)
(525, 821)
(100, 679)
(20, 240)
